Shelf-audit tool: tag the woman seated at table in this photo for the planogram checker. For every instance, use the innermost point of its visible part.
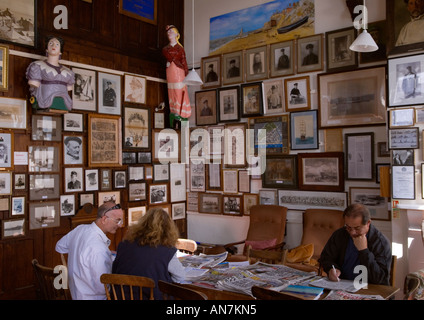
(148, 250)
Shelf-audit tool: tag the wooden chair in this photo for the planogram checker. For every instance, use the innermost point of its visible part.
(392, 277)
(128, 285)
(267, 294)
(413, 285)
(45, 278)
(187, 246)
(267, 256)
(173, 291)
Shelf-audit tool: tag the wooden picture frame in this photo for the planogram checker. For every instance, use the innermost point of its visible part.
(73, 122)
(244, 181)
(20, 182)
(251, 99)
(135, 173)
(232, 205)
(158, 194)
(206, 107)
(402, 117)
(137, 191)
(302, 200)
(84, 94)
(135, 214)
(43, 159)
(280, 172)
(321, 171)
(18, 205)
(44, 215)
(282, 59)
(161, 172)
(256, 63)
(359, 156)
(86, 198)
(193, 201)
(383, 150)
(114, 196)
(146, 10)
(339, 56)
(232, 67)
(44, 186)
(211, 71)
(4, 72)
(73, 150)
(268, 197)
(144, 157)
(137, 128)
(273, 96)
(74, 179)
(92, 180)
(309, 58)
(379, 32)
(109, 90)
(104, 141)
(7, 151)
(249, 200)
(376, 204)
(297, 92)
(134, 89)
(230, 180)
(403, 182)
(166, 146)
(304, 130)
(105, 179)
(234, 145)
(129, 158)
(229, 104)
(178, 210)
(405, 138)
(210, 203)
(119, 179)
(67, 205)
(197, 175)
(14, 113)
(13, 228)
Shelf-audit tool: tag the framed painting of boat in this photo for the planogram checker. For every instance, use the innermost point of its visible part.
(304, 130)
(18, 22)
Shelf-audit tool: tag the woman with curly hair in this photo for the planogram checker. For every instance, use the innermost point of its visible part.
(148, 250)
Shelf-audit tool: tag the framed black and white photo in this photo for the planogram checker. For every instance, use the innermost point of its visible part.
(273, 96)
(74, 180)
(20, 182)
(210, 203)
(84, 95)
(256, 63)
(304, 130)
(137, 191)
(114, 196)
(206, 107)
(91, 179)
(166, 145)
(14, 113)
(160, 172)
(86, 198)
(229, 104)
(178, 211)
(43, 159)
(339, 56)
(46, 128)
(268, 197)
(407, 138)
(135, 173)
(13, 228)
(310, 54)
(403, 157)
(211, 71)
(73, 122)
(119, 179)
(232, 67)
(134, 89)
(144, 157)
(251, 99)
(197, 176)
(6, 150)
(43, 186)
(297, 94)
(18, 205)
(376, 204)
(73, 150)
(158, 193)
(5, 183)
(44, 215)
(129, 157)
(302, 200)
(282, 59)
(359, 156)
(232, 205)
(67, 205)
(105, 179)
(109, 86)
(177, 182)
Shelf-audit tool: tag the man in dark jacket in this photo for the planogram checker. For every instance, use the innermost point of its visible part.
(357, 243)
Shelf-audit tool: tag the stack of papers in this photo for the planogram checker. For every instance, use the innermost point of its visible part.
(345, 285)
(305, 292)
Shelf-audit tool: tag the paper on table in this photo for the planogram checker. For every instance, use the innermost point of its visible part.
(346, 285)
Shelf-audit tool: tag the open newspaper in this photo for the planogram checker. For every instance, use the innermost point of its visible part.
(343, 295)
(203, 260)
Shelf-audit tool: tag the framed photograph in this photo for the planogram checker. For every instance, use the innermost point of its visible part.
(206, 107)
(114, 196)
(268, 197)
(197, 176)
(104, 141)
(273, 96)
(43, 159)
(214, 180)
(166, 146)
(419, 115)
(109, 93)
(44, 215)
(282, 59)
(232, 67)
(256, 63)
(302, 200)
(280, 172)
(135, 173)
(232, 205)
(44, 186)
(134, 89)
(46, 128)
(177, 182)
(6, 150)
(158, 193)
(18, 205)
(105, 179)
(251, 99)
(339, 56)
(376, 204)
(159, 120)
(5, 183)
(73, 122)
(67, 205)
(137, 191)
(135, 213)
(210, 203)
(129, 158)
(360, 156)
(74, 179)
(160, 172)
(211, 71)
(91, 179)
(20, 182)
(178, 211)
(297, 93)
(14, 113)
(383, 150)
(379, 32)
(249, 200)
(193, 201)
(144, 157)
(145, 10)
(119, 179)
(230, 180)
(377, 170)
(321, 171)
(310, 54)
(353, 98)
(84, 95)
(86, 198)
(234, 145)
(21, 24)
(137, 128)
(304, 130)
(407, 138)
(244, 181)
(405, 88)
(13, 228)
(402, 117)
(73, 150)
(4, 72)
(229, 104)
(403, 157)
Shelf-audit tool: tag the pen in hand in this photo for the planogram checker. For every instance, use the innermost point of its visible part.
(335, 273)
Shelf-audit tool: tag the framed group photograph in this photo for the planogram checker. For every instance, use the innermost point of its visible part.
(282, 59)
(210, 203)
(44, 215)
(339, 56)
(14, 113)
(310, 54)
(359, 156)
(137, 128)
(109, 86)
(232, 67)
(73, 122)
(304, 130)
(137, 191)
(206, 107)
(232, 205)
(251, 99)
(84, 95)
(4, 71)
(6, 150)
(280, 172)
(229, 104)
(273, 97)
(302, 200)
(211, 71)
(406, 138)
(44, 186)
(256, 63)
(134, 89)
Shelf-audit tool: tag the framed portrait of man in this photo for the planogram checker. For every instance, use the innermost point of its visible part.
(73, 150)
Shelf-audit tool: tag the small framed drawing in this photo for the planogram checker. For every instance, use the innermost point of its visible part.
(297, 93)
(6, 150)
(73, 122)
(5, 183)
(230, 181)
(134, 89)
(282, 59)
(249, 200)
(407, 138)
(273, 96)
(105, 179)
(135, 213)
(137, 128)
(376, 204)
(160, 172)
(109, 86)
(211, 71)
(403, 182)
(44, 215)
(46, 128)
(20, 183)
(119, 179)
(178, 211)
(18, 205)
(84, 94)
(67, 205)
(304, 130)
(256, 63)
(137, 191)
(73, 150)
(210, 203)
(158, 193)
(232, 67)
(43, 159)
(280, 172)
(359, 156)
(232, 205)
(229, 104)
(91, 179)
(402, 117)
(268, 197)
(310, 54)
(206, 107)
(13, 228)
(339, 56)
(74, 180)
(251, 99)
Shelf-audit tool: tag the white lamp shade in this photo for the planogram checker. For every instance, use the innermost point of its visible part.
(364, 43)
(193, 79)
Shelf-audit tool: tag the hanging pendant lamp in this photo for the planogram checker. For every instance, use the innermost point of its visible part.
(193, 78)
(364, 42)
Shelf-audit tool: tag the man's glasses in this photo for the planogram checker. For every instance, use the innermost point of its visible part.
(350, 229)
(115, 207)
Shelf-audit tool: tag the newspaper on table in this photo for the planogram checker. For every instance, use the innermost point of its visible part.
(203, 260)
(342, 284)
(343, 295)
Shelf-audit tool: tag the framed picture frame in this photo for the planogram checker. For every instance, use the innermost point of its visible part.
(282, 59)
(134, 89)
(339, 56)
(166, 146)
(310, 53)
(109, 90)
(105, 179)
(419, 115)
(144, 157)
(256, 63)
(216, 145)
(251, 99)
(403, 157)
(44, 187)
(210, 203)
(73, 150)
(74, 180)
(137, 191)
(14, 113)
(249, 200)
(73, 122)
(119, 179)
(161, 172)
(13, 228)
(178, 182)
(304, 130)
(92, 180)
(376, 204)
(197, 176)
(230, 180)
(129, 158)
(86, 198)
(193, 201)
(206, 107)
(159, 120)
(145, 11)
(359, 156)
(229, 104)
(67, 205)
(298, 94)
(135, 213)
(302, 200)
(211, 71)
(379, 32)
(402, 117)
(44, 215)
(383, 150)
(232, 67)
(6, 150)
(321, 171)
(135, 173)
(268, 197)
(24, 12)
(84, 95)
(352, 98)
(273, 96)
(403, 85)
(114, 196)
(158, 194)
(137, 128)
(4, 62)
(234, 145)
(43, 159)
(4, 204)
(199, 143)
(280, 172)
(18, 205)
(20, 182)
(214, 179)
(178, 210)
(244, 181)
(232, 205)
(104, 141)
(406, 138)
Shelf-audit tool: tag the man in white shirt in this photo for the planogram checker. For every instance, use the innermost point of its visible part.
(411, 32)
(88, 252)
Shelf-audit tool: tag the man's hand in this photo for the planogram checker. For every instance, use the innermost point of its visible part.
(360, 242)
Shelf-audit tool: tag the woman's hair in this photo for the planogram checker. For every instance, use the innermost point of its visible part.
(155, 228)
